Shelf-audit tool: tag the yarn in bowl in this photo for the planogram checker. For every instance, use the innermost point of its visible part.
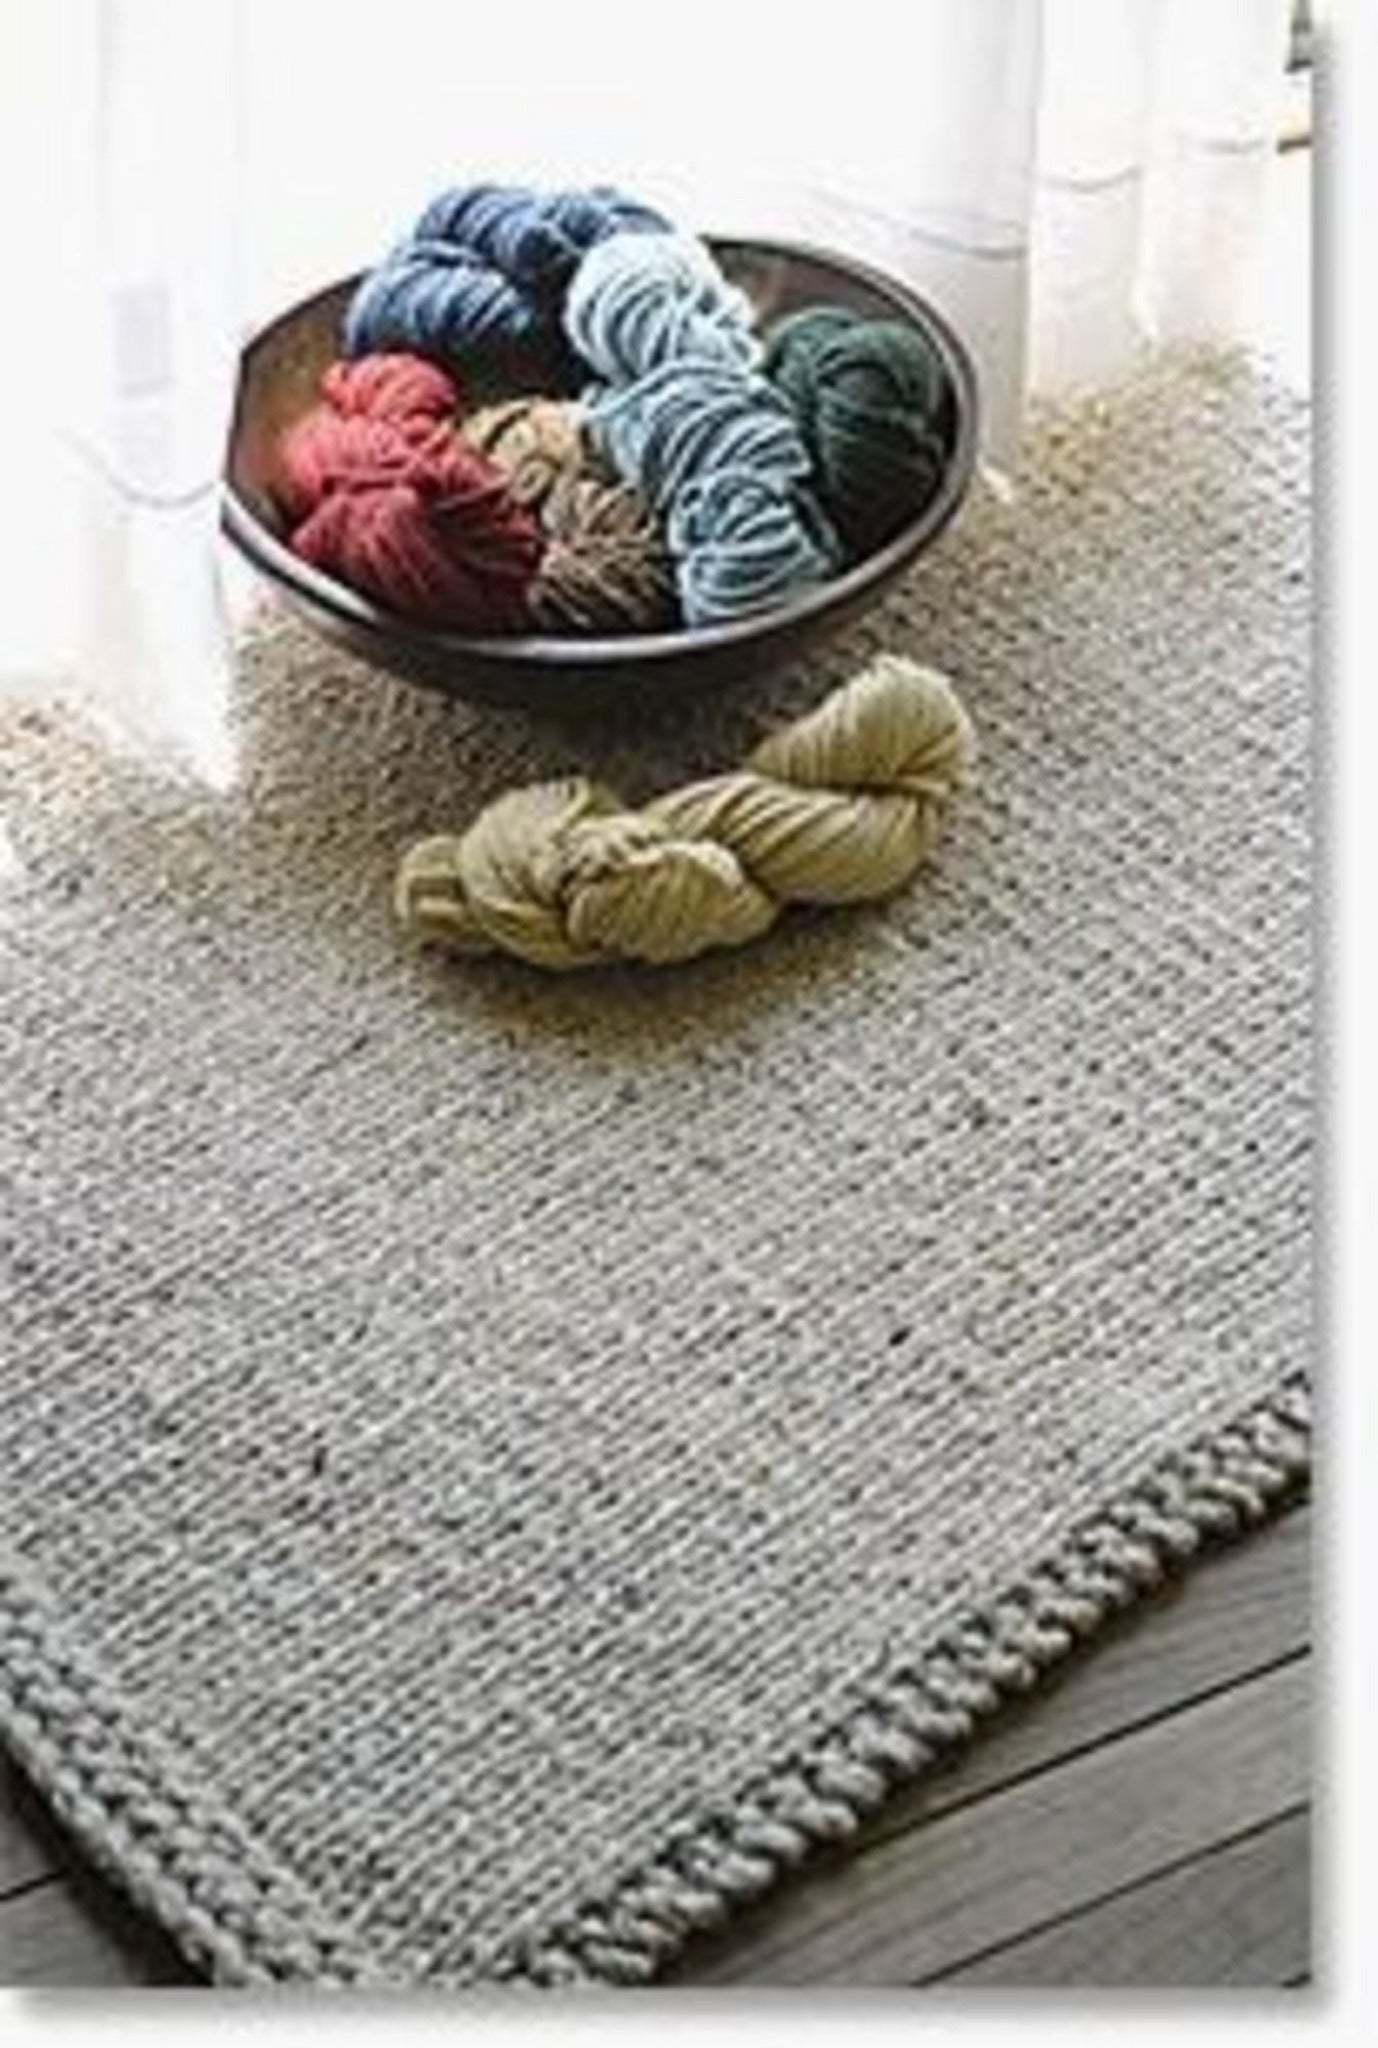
(482, 276)
(381, 493)
(716, 452)
(279, 382)
(871, 399)
(637, 302)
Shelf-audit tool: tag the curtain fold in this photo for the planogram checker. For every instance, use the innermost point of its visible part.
(124, 137)
(1064, 178)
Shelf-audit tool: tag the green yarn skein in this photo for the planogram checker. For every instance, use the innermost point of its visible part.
(874, 406)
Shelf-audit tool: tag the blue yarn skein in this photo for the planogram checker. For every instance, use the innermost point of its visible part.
(742, 541)
(535, 238)
(717, 452)
(688, 418)
(437, 299)
(638, 301)
(483, 275)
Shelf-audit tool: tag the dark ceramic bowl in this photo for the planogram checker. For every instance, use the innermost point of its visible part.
(279, 373)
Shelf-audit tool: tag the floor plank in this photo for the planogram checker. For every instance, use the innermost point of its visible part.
(1238, 1915)
(1242, 1610)
(30, 1841)
(1233, 1614)
(923, 1902)
(76, 1932)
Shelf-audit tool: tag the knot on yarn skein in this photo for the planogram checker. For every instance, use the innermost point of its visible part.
(380, 491)
(483, 273)
(605, 568)
(873, 402)
(716, 451)
(839, 806)
(638, 301)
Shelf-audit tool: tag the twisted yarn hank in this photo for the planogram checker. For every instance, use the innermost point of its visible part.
(483, 273)
(683, 416)
(684, 421)
(376, 416)
(535, 442)
(637, 301)
(380, 491)
(536, 238)
(745, 539)
(873, 404)
(717, 453)
(839, 806)
(605, 568)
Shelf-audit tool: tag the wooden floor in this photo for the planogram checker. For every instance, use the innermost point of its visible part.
(1141, 1821)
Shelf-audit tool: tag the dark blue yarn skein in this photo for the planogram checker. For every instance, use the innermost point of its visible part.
(436, 299)
(534, 238)
(481, 278)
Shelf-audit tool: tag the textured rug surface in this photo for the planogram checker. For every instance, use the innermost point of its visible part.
(496, 1466)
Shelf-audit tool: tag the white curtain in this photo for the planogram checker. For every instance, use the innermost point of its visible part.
(1066, 179)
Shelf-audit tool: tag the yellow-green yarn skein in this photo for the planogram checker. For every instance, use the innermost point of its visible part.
(840, 806)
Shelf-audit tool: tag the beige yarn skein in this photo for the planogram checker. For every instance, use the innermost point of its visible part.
(533, 441)
(839, 806)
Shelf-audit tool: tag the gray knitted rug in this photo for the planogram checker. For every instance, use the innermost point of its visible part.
(495, 1467)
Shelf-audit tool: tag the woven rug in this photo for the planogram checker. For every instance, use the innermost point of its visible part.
(496, 1467)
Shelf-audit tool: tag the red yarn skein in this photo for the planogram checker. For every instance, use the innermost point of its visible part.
(384, 494)
(391, 387)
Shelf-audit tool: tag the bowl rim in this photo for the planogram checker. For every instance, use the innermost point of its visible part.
(278, 562)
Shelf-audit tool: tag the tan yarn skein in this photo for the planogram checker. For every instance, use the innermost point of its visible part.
(839, 806)
(533, 441)
(605, 568)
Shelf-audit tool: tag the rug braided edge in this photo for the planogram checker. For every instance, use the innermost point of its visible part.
(236, 1913)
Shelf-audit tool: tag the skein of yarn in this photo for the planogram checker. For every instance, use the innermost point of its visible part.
(715, 450)
(637, 301)
(873, 404)
(745, 539)
(839, 806)
(397, 387)
(381, 492)
(375, 415)
(483, 273)
(534, 442)
(685, 420)
(536, 238)
(605, 568)
(683, 416)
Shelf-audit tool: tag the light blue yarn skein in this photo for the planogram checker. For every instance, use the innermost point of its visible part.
(718, 454)
(687, 418)
(742, 540)
(638, 301)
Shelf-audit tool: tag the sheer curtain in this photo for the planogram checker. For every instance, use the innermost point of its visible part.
(1066, 179)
